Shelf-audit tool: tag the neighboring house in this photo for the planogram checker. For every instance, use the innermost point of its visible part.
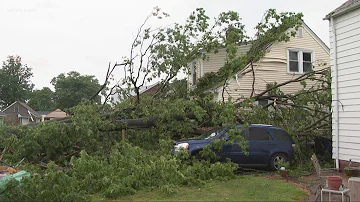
(283, 61)
(149, 89)
(345, 69)
(43, 114)
(2, 117)
(19, 113)
(58, 113)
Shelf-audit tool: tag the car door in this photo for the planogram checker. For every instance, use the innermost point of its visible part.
(233, 151)
(260, 145)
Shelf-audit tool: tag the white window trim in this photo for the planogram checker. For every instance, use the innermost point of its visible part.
(300, 59)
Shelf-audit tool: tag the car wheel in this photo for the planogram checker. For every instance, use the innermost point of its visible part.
(277, 160)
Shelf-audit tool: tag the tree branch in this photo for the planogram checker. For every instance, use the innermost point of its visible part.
(253, 81)
(298, 79)
(315, 123)
(108, 75)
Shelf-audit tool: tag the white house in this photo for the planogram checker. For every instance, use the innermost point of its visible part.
(345, 70)
(282, 62)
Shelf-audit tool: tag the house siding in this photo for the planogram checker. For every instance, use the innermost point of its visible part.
(212, 62)
(273, 68)
(12, 117)
(347, 29)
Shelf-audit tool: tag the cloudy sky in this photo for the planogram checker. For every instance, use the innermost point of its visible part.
(58, 36)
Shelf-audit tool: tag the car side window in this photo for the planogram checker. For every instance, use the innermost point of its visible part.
(258, 134)
(280, 134)
(224, 137)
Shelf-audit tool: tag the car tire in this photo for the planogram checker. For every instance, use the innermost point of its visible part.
(276, 160)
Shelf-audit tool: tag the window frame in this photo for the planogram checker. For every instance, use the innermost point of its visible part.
(300, 60)
(16, 109)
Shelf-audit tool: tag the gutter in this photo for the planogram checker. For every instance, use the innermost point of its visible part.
(336, 94)
(339, 13)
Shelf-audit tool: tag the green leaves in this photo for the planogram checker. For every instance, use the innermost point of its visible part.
(53, 185)
(72, 88)
(15, 84)
(42, 100)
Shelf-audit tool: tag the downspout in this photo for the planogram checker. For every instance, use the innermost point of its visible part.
(336, 94)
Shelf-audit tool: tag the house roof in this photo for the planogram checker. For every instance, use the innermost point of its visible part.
(56, 114)
(42, 113)
(344, 8)
(33, 112)
(143, 89)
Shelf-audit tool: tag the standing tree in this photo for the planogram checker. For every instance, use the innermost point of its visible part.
(42, 100)
(15, 84)
(72, 88)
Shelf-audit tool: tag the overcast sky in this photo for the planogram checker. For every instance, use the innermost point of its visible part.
(58, 36)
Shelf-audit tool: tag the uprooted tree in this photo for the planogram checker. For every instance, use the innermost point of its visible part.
(86, 149)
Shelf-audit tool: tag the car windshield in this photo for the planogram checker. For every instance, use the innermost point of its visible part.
(209, 134)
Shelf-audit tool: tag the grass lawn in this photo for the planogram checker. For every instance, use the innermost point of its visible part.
(242, 188)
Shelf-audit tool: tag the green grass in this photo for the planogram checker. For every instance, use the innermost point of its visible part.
(242, 188)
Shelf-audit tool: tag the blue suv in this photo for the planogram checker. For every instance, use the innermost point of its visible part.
(268, 146)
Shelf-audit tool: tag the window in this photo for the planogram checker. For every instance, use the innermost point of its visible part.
(263, 102)
(299, 61)
(299, 33)
(258, 134)
(280, 134)
(210, 134)
(193, 72)
(16, 109)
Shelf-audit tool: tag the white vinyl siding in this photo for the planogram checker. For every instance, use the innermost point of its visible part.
(347, 28)
(273, 67)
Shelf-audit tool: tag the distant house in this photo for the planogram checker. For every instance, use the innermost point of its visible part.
(55, 115)
(282, 61)
(19, 113)
(43, 114)
(148, 89)
(344, 25)
(2, 117)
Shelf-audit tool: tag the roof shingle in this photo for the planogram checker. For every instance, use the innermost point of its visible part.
(347, 6)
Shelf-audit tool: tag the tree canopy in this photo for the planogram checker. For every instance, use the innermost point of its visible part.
(88, 145)
(15, 83)
(72, 88)
(42, 100)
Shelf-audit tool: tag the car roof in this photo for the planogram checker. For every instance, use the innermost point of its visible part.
(262, 125)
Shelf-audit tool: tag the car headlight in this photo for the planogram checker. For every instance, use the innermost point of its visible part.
(184, 145)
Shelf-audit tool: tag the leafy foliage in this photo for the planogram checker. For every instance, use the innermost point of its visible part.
(53, 185)
(273, 28)
(72, 88)
(42, 100)
(15, 84)
(105, 164)
(305, 114)
(87, 149)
